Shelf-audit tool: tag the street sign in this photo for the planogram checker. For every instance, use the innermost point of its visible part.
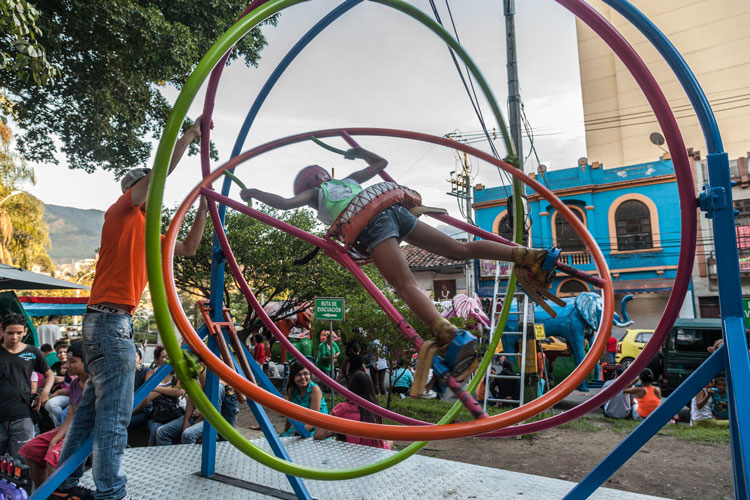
(746, 311)
(539, 331)
(329, 308)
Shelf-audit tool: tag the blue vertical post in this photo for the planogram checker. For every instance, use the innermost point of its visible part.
(208, 444)
(716, 201)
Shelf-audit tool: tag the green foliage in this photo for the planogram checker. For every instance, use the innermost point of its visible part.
(266, 256)
(30, 237)
(24, 237)
(114, 57)
(22, 55)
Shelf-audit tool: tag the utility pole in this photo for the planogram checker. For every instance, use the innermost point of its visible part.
(461, 188)
(514, 92)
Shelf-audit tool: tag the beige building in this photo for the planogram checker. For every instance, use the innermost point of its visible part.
(714, 39)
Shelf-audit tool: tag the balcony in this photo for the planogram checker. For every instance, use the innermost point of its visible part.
(575, 258)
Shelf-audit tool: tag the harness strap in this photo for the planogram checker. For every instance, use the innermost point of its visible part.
(366, 205)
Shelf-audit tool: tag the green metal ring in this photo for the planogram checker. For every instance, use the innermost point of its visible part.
(154, 257)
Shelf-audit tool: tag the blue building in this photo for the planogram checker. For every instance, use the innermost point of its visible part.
(633, 214)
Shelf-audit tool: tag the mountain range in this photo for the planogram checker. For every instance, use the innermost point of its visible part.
(75, 233)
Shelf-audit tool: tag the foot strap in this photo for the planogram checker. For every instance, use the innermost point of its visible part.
(426, 355)
(535, 292)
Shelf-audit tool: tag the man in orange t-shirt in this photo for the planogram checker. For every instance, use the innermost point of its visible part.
(109, 352)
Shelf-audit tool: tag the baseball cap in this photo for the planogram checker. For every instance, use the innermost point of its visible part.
(76, 349)
(133, 176)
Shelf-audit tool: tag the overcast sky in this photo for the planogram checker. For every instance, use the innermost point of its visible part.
(377, 67)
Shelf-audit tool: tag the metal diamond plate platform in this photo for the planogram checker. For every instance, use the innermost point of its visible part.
(169, 472)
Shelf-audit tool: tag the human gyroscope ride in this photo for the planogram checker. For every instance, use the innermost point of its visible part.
(366, 222)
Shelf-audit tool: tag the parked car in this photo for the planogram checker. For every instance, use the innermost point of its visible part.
(631, 345)
(685, 349)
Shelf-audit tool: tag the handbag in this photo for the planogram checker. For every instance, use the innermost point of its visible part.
(165, 409)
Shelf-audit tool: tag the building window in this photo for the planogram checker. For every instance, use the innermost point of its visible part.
(633, 226)
(571, 288)
(743, 227)
(503, 228)
(566, 237)
(709, 307)
(444, 289)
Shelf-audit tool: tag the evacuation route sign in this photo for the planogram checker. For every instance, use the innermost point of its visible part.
(329, 308)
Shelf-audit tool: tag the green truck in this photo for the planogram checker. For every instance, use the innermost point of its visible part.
(686, 348)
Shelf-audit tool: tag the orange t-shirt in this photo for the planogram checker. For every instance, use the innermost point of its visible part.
(121, 270)
(648, 403)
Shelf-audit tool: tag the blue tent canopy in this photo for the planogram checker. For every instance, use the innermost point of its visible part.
(43, 309)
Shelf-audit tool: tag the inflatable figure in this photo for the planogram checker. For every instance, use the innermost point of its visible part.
(579, 319)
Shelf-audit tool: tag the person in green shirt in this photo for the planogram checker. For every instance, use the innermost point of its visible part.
(324, 354)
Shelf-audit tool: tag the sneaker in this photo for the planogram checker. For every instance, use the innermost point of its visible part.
(74, 493)
(428, 394)
(403, 396)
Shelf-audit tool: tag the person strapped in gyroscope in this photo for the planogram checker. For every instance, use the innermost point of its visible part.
(374, 220)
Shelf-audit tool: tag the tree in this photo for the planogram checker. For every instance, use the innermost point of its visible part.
(24, 237)
(22, 55)
(114, 57)
(266, 256)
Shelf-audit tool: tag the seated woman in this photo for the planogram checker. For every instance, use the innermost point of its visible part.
(301, 390)
(58, 399)
(648, 397)
(43, 452)
(361, 385)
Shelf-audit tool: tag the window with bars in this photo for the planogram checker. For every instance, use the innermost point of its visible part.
(572, 287)
(567, 238)
(633, 226)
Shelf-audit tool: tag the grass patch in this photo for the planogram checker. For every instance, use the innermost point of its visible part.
(432, 410)
(705, 435)
(584, 425)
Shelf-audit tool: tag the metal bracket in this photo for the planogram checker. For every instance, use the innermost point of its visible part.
(712, 199)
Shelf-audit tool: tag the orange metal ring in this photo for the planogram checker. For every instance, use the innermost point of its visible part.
(382, 431)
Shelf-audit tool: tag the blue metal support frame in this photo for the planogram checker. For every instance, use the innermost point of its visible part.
(650, 426)
(266, 384)
(267, 427)
(66, 468)
(208, 443)
(716, 201)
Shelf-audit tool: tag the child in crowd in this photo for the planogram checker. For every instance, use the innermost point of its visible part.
(361, 385)
(259, 351)
(43, 452)
(355, 361)
(719, 407)
(700, 409)
(301, 390)
(402, 379)
(314, 187)
(58, 399)
(648, 397)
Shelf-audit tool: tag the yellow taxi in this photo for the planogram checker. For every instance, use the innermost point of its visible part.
(631, 345)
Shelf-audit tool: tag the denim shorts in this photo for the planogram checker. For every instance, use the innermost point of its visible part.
(393, 222)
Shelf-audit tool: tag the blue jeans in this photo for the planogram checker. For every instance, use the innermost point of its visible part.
(172, 433)
(393, 222)
(109, 357)
(230, 407)
(55, 407)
